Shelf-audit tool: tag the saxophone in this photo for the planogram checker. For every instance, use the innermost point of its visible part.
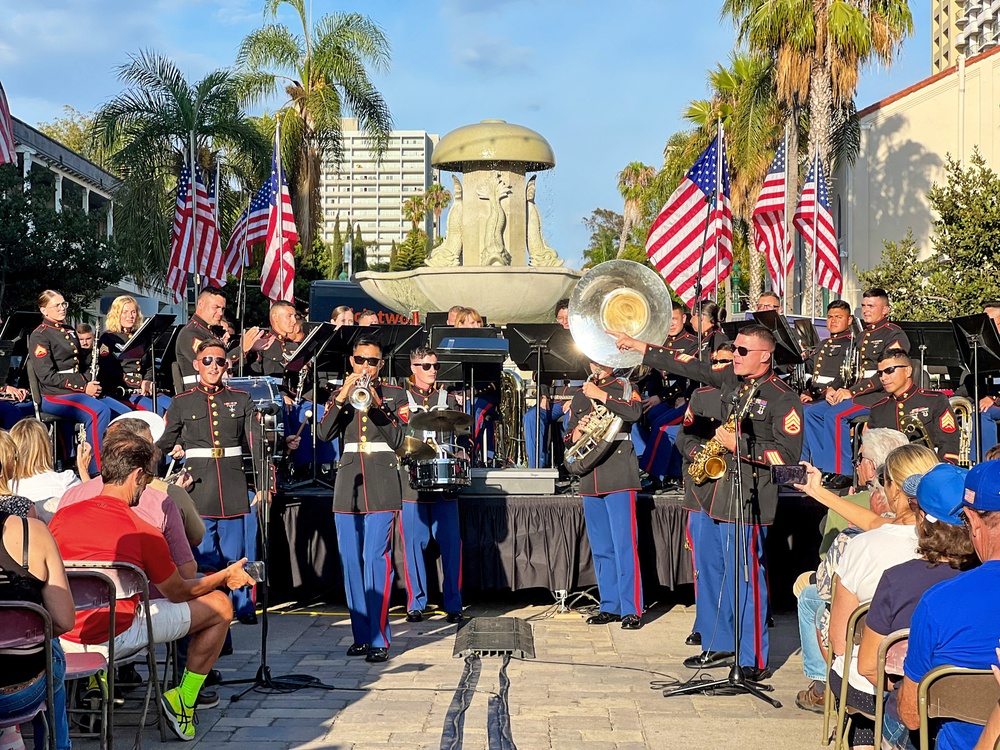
(965, 412)
(710, 462)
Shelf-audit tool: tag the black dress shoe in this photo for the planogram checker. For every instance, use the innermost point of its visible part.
(756, 675)
(207, 699)
(603, 618)
(709, 659)
(631, 622)
(414, 615)
(214, 677)
(358, 649)
(377, 655)
(453, 618)
(693, 640)
(837, 481)
(250, 618)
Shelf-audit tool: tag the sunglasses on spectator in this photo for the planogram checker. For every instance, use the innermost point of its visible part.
(718, 361)
(743, 351)
(427, 365)
(220, 361)
(890, 370)
(371, 361)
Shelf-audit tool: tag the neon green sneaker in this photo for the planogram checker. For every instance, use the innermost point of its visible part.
(180, 718)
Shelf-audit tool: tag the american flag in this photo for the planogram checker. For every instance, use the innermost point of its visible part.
(192, 252)
(251, 227)
(210, 258)
(815, 223)
(769, 221)
(677, 239)
(278, 275)
(7, 154)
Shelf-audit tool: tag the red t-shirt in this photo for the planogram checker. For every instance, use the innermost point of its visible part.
(105, 529)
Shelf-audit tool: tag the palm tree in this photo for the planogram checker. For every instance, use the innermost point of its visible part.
(324, 74)
(147, 132)
(415, 209)
(436, 200)
(633, 181)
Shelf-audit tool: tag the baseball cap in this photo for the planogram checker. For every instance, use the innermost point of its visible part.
(982, 487)
(939, 493)
(156, 424)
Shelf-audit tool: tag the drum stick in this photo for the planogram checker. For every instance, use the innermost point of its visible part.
(308, 415)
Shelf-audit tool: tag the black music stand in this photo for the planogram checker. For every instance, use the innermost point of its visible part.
(786, 350)
(144, 341)
(979, 343)
(16, 329)
(936, 345)
(474, 355)
(732, 327)
(168, 348)
(397, 342)
(435, 319)
(549, 350)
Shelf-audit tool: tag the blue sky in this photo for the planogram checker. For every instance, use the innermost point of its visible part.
(604, 82)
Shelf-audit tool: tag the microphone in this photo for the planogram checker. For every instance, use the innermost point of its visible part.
(735, 397)
(267, 408)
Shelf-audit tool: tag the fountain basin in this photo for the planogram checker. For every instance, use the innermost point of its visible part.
(503, 294)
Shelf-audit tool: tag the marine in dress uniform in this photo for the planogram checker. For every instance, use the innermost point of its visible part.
(989, 397)
(770, 433)
(553, 414)
(206, 324)
(904, 400)
(609, 494)
(827, 365)
(429, 513)
(54, 357)
(129, 380)
(367, 496)
(828, 426)
(210, 427)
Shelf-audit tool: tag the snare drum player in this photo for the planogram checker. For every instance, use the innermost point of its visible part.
(433, 512)
(210, 426)
(366, 495)
(609, 493)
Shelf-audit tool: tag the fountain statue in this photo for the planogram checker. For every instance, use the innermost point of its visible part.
(494, 257)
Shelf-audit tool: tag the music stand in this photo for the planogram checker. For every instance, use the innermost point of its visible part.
(937, 344)
(143, 341)
(397, 342)
(979, 343)
(732, 327)
(786, 350)
(549, 350)
(16, 329)
(169, 356)
(435, 319)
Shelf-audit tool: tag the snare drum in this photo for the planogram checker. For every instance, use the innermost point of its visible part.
(440, 473)
(266, 392)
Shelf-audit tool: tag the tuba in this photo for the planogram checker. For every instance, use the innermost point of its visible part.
(619, 295)
(965, 412)
(510, 440)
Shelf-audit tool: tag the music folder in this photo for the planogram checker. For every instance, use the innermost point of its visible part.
(786, 351)
(143, 339)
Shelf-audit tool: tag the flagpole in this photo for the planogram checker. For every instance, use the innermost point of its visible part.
(785, 229)
(815, 261)
(281, 207)
(718, 195)
(194, 217)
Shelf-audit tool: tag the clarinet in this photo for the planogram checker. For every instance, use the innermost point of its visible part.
(300, 388)
(95, 351)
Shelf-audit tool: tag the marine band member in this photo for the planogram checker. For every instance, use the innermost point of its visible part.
(54, 356)
(609, 493)
(129, 380)
(770, 434)
(429, 513)
(210, 427)
(366, 497)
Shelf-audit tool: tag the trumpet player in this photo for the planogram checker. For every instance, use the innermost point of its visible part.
(914, 410)
(769, 418)
(367, 495)
(609, 492)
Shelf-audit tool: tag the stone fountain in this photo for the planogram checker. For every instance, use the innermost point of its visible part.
(494, 257)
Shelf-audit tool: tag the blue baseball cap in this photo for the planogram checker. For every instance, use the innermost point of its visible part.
(939, 493)
(982, 487)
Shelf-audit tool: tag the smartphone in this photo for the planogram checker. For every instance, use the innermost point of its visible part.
(254, 569)
(788, 474)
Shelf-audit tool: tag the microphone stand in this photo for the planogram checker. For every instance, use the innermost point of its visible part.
(736, 681)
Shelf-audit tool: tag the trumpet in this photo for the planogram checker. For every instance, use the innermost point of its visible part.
(361, 395)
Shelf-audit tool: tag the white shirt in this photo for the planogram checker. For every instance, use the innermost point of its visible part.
(45, 490)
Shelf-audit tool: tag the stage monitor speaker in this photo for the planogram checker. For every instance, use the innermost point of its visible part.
(495, 636)
(516, 481)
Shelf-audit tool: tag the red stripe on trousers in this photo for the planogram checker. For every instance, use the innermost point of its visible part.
(635, 555)
(93, 424)
(837, 465)
(690, 541)
(758, 635)
(386, 590)
(406, 566)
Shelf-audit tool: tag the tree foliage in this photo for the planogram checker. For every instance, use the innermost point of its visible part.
(75, 130)
(412, 252)
(45, 249)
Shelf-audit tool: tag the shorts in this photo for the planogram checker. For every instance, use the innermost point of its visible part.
(171, 620)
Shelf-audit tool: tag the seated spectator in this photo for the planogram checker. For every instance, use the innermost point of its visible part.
(945, 549)
(342, 316)
(368, 318)
(15, 505)
(32, 570)
(468, 318)
(34, 476)
(958, 622)
(813, 593)
(192, 607)
(860, 569)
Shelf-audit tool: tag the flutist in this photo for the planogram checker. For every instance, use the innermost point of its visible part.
(768, 415)
(609, 490)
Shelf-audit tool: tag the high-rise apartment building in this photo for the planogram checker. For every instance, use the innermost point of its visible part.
(962, 26)
(371, 193)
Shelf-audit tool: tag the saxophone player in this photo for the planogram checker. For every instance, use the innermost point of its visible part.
(609, 493)
(769, 415)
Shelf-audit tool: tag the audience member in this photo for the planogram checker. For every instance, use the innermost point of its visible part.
(34, 476)
(15, 505)
(957, 622)
(192, 606)
(32, 570)
(945, 549)
(860, 569)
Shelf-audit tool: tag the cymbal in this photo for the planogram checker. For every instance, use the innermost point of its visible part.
(440, 421)
(416, 450)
